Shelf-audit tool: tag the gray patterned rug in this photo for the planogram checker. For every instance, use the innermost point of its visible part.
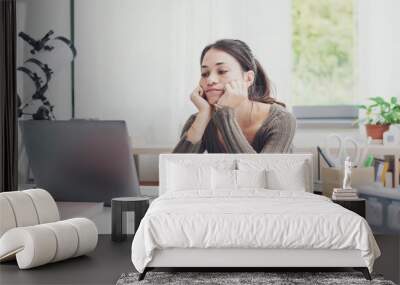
(228, 278)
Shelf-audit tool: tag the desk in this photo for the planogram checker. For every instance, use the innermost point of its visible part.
(374, 149)
(151, 150)
(147, 151)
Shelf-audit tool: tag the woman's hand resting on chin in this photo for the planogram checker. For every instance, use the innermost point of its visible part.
(235, 93)
(197, 97)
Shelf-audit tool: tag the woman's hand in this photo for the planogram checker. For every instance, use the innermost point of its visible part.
(196, 130)
(235, 93)
(199, 100)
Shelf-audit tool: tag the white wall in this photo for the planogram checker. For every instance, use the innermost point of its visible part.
(139, 59)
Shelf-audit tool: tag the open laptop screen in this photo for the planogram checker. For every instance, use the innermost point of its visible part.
(81, 160)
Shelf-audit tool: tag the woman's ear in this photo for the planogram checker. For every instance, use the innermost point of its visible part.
(249, 77)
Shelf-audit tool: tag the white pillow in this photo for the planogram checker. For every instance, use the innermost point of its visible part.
(188, 177)
(227, 179)
(293, 180)
(282, 174)
(185, 174)
(251, 178)
(223, 179)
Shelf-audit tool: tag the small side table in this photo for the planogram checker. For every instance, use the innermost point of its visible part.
(355, 205)
(119, 205)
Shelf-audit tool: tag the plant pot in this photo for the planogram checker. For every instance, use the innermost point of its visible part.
(376, 131)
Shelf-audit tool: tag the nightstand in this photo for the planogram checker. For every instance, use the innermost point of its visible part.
(355, 205)
(138, 205)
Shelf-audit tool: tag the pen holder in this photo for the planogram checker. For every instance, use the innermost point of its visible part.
(332, 177)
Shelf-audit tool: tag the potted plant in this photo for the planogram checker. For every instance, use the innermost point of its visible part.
(379, 115)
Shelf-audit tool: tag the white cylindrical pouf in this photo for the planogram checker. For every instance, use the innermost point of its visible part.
(31, 233)
(67, 240)
(7, 218)
(87, 233)
(45, 205)
(23, 207)
(34, 246)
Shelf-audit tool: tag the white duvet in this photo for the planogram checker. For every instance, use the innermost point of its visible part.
(251, 218)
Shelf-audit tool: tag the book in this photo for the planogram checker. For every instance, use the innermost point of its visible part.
(335, 194)
(345, 198)
(340, 190)
(388, 176)
(378, 165)
(344, 194)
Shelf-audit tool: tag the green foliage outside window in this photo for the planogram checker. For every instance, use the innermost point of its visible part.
(323, 52)
(381, 111)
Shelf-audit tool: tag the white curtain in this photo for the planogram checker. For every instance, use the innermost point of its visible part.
(138, 60)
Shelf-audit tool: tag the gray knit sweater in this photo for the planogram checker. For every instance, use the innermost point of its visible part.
(274, 136)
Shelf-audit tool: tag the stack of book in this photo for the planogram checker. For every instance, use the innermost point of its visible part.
(344, 194)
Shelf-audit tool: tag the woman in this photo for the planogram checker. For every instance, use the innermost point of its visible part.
(236, 113)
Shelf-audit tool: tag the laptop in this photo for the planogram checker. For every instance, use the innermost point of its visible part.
(81, 160)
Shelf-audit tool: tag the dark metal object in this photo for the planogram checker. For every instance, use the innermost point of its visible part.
(43, 113)
(322, 153)
(364, 271)
(119, 205)
(46, 69)
(143, 274)
(35, 78)
(68, 43)
(46, 111)
(39, 44)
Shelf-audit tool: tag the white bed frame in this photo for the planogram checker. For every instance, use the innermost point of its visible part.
(234, 257)
(250, 258)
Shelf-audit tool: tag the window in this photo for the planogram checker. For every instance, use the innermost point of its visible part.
(323, 46)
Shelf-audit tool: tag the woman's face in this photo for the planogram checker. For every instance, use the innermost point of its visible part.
(217, 69)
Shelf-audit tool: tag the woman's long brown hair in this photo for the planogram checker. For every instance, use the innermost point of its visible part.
(260, 90)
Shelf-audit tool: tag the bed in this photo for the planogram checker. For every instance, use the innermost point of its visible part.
(245, 211)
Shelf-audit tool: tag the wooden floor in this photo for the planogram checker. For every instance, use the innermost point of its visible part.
(103, 266)
(110, 259)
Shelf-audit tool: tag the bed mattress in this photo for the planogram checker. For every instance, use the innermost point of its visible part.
(250, 219)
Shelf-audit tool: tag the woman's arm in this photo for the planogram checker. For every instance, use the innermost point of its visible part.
(234, 139)
(278, 135)
(192, 133)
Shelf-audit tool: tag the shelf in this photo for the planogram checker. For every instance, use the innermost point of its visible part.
(379, 191)
(376, 149)
(390, 149)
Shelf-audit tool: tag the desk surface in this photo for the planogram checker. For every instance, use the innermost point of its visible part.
(151, 150)
(393, 149)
